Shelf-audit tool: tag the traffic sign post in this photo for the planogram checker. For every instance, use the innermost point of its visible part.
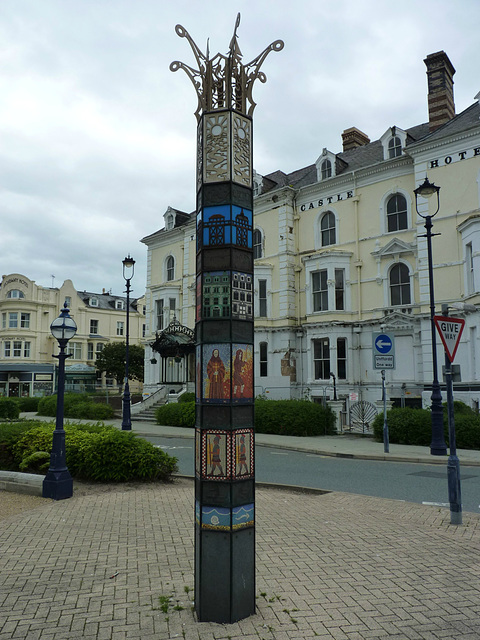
(383, 351)
(450, 331)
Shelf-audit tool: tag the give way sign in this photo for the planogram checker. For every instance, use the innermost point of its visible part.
(450, 330)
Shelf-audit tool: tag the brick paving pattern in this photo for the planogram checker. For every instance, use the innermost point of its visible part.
(118, 564)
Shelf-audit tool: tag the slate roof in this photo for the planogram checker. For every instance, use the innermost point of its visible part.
(105, 300)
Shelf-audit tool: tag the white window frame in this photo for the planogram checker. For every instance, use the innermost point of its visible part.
(388, 295)
(24, 320)
(120, 328)
(15, 293)
(93, 327)
(13, 319)
(329, 261)
(169, 268)
(259, 245)
(383, 211)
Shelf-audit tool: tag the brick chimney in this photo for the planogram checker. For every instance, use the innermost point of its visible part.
(441, 106)
(353, 138)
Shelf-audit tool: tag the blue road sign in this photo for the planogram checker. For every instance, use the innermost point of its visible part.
(383, 343)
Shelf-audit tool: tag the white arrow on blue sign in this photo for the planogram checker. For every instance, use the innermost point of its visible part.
(383, 343)
(383, 351)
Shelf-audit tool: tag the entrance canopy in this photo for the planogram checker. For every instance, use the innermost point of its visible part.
(175, 341)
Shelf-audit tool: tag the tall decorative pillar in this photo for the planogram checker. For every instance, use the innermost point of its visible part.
(224, 434)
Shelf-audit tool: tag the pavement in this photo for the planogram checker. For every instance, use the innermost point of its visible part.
(115, 562)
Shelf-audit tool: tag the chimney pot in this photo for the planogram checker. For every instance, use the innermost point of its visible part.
(353, 138)
(441, 104)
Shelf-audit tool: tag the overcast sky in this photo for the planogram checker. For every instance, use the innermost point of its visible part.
(97, 135)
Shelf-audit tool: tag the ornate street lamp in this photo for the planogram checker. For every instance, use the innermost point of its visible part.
(437, 446)
(128, 271)
(58, 483)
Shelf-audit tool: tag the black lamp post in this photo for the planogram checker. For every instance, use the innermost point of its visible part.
(128, 271)
(58, 483)
(437, 446)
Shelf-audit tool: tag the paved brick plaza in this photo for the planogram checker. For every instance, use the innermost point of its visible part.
(328, 566)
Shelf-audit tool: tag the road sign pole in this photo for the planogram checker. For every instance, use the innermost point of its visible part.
(453, 464)
(386, 443)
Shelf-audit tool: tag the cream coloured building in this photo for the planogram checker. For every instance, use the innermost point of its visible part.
(341, 256)
(27, 366)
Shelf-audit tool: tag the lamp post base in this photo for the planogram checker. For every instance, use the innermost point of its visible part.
(58, 485)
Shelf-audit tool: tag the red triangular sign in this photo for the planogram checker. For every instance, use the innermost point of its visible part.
(450, 330)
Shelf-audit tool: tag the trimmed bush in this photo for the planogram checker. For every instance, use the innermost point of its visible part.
(9, 409)
(293, 418)
(405, 426)
(76, 405)
(10, 432)
(94, 452)
(284, 417)
(176, 414)
(414, 426)
(189, 396)
(467, 430)
(28, 404)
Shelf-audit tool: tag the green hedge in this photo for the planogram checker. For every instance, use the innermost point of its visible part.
(176, 414)
(93, 452)
(28, 404)
(76, 405)
(414, 426)
(188, 396)
(293, 418)
(283, 417)
(10, 432)
(9, 409)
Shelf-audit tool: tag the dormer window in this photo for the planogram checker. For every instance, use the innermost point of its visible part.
(120, 305)
(326, 169)
(326, 165)
(257, 183)
(169, 222)
(93, 302)
(394, 147)
(394, 141)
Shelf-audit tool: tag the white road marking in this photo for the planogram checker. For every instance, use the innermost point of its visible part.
(436, 504)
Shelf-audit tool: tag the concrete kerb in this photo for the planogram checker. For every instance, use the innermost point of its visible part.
(18, 482)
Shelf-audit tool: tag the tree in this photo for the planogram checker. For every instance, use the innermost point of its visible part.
(112, 360)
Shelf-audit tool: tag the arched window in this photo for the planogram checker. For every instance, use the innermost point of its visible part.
(257, 244)
(170, 221)
(399, 279)
(15, 293)
(170, 268)
(397, 218)
(327, 228)
(326, 169)
(394, 147)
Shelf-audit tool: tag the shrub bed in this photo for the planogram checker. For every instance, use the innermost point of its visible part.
(76, 405)
(293, 418)
(414, 426)
(9, 409)
(176, 414)
(93, 452)
(284, 417)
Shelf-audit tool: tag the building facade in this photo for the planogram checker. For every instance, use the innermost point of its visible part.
(27, 365)
(341, 255)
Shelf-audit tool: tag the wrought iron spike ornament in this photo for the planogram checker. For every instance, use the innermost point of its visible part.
(224, 82)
